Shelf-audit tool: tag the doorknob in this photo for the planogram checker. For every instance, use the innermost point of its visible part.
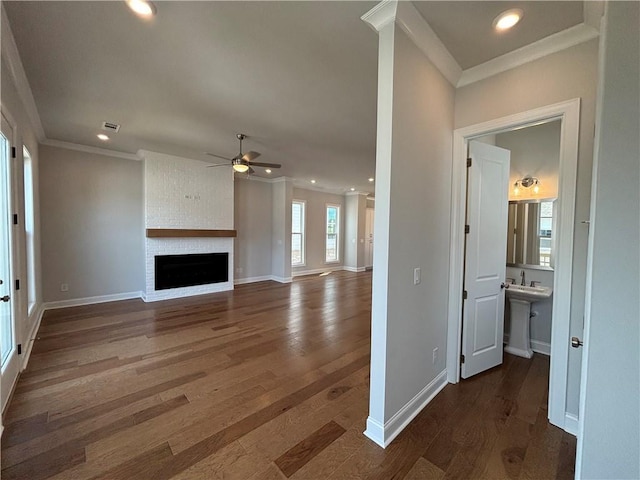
(504, 285)
(6, 298)
(576, 342)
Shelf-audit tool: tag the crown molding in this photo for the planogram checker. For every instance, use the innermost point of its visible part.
(593, 13)
(88, 149)
(355, 194)
(12, 56)
(416, 27)
(420, 32)
(381, 15)
(552, 44)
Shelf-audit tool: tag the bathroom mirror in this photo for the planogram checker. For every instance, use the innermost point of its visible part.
(530, 239)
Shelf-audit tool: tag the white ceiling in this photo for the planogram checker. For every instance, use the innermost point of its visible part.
(299, 78)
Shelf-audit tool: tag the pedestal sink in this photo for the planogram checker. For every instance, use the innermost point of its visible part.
(520, 299)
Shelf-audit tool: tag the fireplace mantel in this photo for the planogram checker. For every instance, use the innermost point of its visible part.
(185, 233)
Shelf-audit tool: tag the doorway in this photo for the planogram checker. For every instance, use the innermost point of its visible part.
(568, 113)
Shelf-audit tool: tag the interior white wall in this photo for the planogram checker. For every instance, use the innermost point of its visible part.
(315, 225)
(412, 225)
(354, 237)
(24, 134)
(92, 224)
(281, 195)
(555, 78)
(535, 151)
(610, 420)
(252, 220)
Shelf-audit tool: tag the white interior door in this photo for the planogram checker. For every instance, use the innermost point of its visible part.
(368, 247)
(8, 353)
(485, 258)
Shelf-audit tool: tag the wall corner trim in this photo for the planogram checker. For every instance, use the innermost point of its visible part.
(383, 435)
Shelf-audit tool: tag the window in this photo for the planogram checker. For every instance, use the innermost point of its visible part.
(545, 232)
(297, 233)
(332, 253)
(29, 213)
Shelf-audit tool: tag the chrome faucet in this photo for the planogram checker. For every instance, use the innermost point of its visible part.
(523, 280)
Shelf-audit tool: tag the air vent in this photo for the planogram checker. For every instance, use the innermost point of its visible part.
(111, 127)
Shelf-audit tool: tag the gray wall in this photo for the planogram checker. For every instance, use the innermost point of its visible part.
(571, 73)
(253, 211)
(415, 114)
(92, 224)
(316, 203)
(609, 446)
(535, 151)
(354, 230)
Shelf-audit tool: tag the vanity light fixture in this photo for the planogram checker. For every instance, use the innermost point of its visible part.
(507, 19)
(526, 182)
(142, 8)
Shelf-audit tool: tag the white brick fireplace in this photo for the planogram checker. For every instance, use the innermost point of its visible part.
(184, 194)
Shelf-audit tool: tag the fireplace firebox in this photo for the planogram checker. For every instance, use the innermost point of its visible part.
(174, 271)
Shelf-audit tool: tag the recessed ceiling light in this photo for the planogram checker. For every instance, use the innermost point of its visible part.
(313, 181)
(142, 8)
(507, 19)
(371, 179)
(353, 189)
(267, 170)
(103, 137)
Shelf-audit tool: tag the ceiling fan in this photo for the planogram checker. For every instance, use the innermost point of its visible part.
(243, 161)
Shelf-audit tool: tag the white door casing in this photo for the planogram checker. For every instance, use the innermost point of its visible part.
(486, 251)
(10, 363)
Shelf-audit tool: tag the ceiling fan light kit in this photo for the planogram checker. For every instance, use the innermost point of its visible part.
(243, 162)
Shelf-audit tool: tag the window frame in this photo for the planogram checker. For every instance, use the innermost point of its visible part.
(29, 227)
(303, 236)
(337, 233)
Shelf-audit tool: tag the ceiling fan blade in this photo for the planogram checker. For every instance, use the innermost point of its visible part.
(250, 156)
(218, 165)
(267, 165)
(251, 171)
(217, 156)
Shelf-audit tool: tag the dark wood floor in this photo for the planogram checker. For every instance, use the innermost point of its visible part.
(267, 382)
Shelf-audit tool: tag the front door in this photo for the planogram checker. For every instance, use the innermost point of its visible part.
(8, 354)
(485, 258)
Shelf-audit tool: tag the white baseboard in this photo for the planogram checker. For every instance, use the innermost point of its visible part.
(541, 347)
(537, 346)
(318, 271)
(241, 281)
(39, 312)
(383, 435)
(354, 269)
(75, 302)
(571, 424)
(281, 279)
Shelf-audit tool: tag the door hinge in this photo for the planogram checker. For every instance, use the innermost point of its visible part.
(466, 229)
(461, 358)
(19, 349)
(15, 218)
(464, 294)
(17, 284)
(13, 152)
(468, 162)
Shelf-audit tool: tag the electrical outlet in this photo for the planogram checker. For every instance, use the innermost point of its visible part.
(64, 287)
(416, 276)
(435, 355)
